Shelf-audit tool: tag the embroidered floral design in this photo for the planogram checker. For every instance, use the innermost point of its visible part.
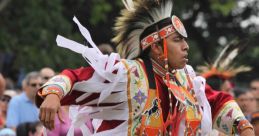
(227, 116)
(139, 97)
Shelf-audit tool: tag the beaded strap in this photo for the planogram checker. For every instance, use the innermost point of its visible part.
(59, 85)
(241, 124)
(52, 89)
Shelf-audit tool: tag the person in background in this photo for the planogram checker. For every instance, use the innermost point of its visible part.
(10, 85)
(2, 84)
(246, 101)
(2, 88)
(255, 122)
(46, 73)
(30, 129)
(7, 132)
(4, 101)
(22, 108)
(254, 87)
(220, 73)
(62, 127)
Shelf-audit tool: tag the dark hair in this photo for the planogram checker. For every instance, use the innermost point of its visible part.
(31, 75)
(215, 82)
(25, 128)
(155, 27)
(254, 80)
(240, 91)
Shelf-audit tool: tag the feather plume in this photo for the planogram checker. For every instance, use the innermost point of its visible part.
(129, 4)
(138, 15)
(223, 65)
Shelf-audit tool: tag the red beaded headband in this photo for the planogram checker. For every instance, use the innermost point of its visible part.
(176, 25)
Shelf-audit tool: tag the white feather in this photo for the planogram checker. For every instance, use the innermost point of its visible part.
(129, 5)
(229, 58)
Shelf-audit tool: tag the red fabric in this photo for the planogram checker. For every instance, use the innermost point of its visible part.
(217, 99)
(83, 73)
(76, 75)
(109, 124)
(80, 75)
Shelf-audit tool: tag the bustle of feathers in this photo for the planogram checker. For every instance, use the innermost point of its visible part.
(223, 65)
(138, 15)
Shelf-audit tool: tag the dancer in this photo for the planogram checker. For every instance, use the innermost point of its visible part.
(151, 92)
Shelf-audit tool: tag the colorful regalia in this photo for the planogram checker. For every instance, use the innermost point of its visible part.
(135, 95)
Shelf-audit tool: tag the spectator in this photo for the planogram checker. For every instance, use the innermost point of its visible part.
(9, 84)
(30, 129)
(254, 87)
(22, 107)
(2, 84)
(4, 100)
(255, 122)
(7, 132)
(221, 83)
(246, 101)
(61, 128)
(46, 73)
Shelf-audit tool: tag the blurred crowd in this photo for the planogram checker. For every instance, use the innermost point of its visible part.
(19, 115)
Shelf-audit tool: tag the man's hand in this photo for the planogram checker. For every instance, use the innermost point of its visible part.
(247, 132)
(48, 109)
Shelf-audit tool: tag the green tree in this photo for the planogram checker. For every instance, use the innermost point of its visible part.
(29, 28)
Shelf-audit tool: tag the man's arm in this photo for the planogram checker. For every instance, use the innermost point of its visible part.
(247, 132)
(83, 87)
(58, 91)
(61, 85)
(227, 116)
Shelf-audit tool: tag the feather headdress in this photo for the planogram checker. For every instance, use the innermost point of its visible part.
(135, 19)
(223, 66)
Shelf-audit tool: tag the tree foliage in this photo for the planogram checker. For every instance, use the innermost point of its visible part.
(29, 28)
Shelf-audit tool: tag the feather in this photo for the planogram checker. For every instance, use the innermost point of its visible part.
(222, 53)
(224, 62)
(129, 4)
(131, 23)
(231, 52)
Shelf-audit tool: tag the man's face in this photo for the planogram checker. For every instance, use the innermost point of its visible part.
(33, 85)
(177, 51)
(227, 86)
(2, 84)
(46, 74)
(247, 103)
